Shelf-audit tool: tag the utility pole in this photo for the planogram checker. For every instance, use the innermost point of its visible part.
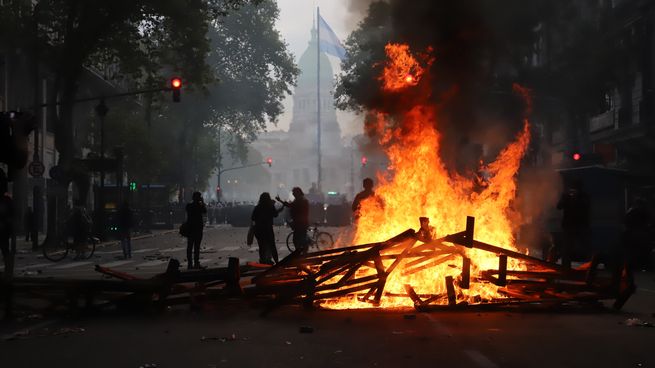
(37, 192)
(219, 189)
(101, 110)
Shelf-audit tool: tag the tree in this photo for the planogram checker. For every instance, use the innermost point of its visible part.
(254, 71)
(250, 72)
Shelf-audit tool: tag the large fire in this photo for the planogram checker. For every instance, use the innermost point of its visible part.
(422, 186)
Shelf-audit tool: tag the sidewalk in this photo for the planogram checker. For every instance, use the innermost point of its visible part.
(23, 247)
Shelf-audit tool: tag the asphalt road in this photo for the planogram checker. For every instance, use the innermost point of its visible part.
(234, 334)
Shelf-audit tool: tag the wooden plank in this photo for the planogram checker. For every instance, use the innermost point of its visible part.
(412, 294)
(466, 273)
(344, 292)
(434, 263)
(502, 270)
(450, 289)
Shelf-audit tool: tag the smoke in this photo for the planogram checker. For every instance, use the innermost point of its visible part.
(480, 48)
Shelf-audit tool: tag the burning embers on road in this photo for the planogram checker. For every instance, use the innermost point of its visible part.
(440, 264)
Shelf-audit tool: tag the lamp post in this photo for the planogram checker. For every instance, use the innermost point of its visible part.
(102, 110)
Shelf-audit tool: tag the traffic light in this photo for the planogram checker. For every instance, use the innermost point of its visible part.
(132, 186)
(576, 156)
(269, 161)
(176, 86)
(364, 161)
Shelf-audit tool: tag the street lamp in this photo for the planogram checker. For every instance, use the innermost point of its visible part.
(102, 110)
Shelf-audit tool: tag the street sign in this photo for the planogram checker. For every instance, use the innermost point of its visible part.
(36, 169)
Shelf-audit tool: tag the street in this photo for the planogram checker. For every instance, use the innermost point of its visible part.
(234, 333)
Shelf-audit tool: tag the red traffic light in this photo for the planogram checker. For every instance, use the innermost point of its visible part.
(269, 161)
(176, 85)
(364, 160)
(577, 156)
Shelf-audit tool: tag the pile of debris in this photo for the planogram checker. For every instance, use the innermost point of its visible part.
(359, 271)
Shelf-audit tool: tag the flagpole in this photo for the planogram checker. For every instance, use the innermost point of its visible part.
(318, 93)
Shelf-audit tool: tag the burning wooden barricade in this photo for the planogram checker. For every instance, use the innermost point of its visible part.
(351, 277)
(329, 277)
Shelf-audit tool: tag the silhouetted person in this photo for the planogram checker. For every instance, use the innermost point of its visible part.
(6, 225)
(299, 211)
(30, 224)
(366, 193)
(125, 224)
(263, 216)
(194, 218)
(574, 204)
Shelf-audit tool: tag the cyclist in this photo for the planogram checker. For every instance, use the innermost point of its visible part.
(299, 209)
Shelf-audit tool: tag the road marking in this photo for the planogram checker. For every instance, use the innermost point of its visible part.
(156, 262)
(438, 325)
(38, 265)
(109, 252)
(480, 359)
(224, 249)
(117, 263)
(143, 250)
(71, 265)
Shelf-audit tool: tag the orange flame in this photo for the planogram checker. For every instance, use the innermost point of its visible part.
(402, 69)
(421, 185)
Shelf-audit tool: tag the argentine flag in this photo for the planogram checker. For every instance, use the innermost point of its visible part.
(328, 41)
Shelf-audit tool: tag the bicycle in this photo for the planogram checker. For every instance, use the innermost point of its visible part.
(57, 250)
(318, 239)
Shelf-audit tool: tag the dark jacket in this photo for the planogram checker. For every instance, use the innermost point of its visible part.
(299, 211)
(263, 217)
(194, 216)
(575, 208)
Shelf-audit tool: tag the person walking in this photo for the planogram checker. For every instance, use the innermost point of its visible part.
(299, 211)
(125, 224)
(262, 217)
(195, 212)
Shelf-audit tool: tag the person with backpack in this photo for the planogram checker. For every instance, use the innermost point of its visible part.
(262, 218)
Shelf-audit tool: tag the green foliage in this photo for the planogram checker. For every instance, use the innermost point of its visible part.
(254, 71)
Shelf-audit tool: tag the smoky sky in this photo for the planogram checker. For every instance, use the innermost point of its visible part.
(477, 45)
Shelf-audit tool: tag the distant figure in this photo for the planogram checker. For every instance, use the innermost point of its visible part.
(125, 224)
(196, 222)
(574, 204)
(30, 224)
(6, 225)
(263, 216)
(366, 193)
(299, 209)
